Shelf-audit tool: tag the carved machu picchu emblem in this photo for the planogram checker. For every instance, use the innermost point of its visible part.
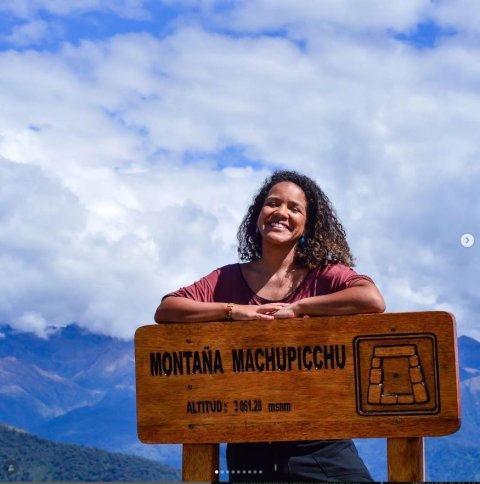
(396, 375)
(407, 385)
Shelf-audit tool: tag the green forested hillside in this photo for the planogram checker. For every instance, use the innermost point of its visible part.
(25, 457)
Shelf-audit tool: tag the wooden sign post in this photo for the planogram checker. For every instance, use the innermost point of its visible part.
(379, 375)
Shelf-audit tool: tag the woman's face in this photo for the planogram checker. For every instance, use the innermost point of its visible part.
(283, 216)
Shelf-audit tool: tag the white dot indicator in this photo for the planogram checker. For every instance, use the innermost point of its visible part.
(467, 240)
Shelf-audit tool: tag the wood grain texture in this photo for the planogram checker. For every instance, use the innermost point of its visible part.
(199, 462)
(406, 459)
(380, 375)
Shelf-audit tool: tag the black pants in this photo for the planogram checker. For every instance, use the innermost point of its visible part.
(319, 460)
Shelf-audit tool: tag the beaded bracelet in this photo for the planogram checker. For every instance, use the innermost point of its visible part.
(229, 314)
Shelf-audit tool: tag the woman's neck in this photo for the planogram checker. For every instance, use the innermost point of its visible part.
(275, 275)
(277, 259)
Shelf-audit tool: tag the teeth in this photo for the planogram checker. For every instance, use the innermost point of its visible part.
(278, 224)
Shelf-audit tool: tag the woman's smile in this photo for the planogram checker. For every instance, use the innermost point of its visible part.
(278, 225)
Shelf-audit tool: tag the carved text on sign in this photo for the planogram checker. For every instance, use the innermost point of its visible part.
(241, 360)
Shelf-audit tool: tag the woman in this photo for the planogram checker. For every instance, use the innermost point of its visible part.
(297, 264)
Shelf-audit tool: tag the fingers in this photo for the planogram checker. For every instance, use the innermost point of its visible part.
(270, 308)
(265, 312)
(264, 317)
(283, 315)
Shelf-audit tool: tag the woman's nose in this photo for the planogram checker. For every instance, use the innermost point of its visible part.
(282, 210)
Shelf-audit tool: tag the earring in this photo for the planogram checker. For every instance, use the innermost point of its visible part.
(301, 242)
(257, 232)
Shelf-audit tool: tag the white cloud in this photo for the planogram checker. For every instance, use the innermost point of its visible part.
(30, 8)
(121, 140)
(31, 321)
(28, 33)
(459, 15)
(339, 15)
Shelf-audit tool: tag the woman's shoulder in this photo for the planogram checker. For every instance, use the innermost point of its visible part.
(228, 269)
(338, 276)
(229, 272)
(332, 269)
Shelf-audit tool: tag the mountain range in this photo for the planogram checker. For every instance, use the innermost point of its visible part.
(74, 387)
(26, 457)
(79, 387)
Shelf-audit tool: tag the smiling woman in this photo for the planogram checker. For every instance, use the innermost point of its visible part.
(284, 213)
(296, 263)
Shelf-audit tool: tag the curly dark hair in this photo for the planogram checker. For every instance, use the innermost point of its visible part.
(325, 238)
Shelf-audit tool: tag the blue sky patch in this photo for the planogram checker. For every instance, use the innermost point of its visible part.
(92, 25)
(425, 35)
(229, 156)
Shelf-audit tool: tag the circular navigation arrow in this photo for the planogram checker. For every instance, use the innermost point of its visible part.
(467, 240)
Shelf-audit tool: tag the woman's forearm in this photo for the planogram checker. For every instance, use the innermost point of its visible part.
(183, 310)
(363, 297)
(175, 309)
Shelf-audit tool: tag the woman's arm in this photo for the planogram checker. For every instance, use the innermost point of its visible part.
(361, 297)
(183, 310)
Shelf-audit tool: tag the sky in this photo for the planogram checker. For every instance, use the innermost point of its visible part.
(134, 133)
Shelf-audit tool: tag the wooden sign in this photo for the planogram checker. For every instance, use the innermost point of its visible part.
(380, 375)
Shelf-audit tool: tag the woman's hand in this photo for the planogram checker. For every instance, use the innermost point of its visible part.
(268, 311)
(288, 311)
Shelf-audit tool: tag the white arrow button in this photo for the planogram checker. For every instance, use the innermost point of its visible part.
(467, 240)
